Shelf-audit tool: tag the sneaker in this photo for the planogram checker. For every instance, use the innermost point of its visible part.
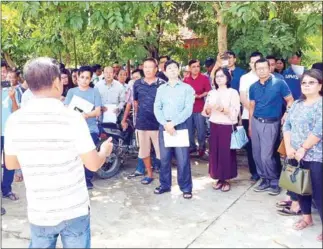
(263, 186)
(3, 211)
(193, 151)
(274, 191)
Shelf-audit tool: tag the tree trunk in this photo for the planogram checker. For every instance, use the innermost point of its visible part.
(222, 28)
(75, 56)
(11, 64)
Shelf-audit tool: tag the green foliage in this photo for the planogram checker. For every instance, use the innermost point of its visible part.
(107, 31)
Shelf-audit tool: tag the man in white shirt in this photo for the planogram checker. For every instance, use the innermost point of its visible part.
(112, 92)
(51, 143)
(246, 81)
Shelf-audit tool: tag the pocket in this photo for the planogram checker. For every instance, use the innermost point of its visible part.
(77, 227)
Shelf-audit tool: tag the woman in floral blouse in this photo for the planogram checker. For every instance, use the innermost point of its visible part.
(303, 140)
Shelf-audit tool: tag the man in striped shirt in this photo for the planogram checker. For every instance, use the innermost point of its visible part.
(51, 143)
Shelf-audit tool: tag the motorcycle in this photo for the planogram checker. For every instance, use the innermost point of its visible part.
(124, 146)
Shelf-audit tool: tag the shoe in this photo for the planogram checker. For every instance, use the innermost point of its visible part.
(89, 185)
(3, 211)
(255, 178)
(156, 170)
(201, 153)
(274, 191)
(263, 186)
(287, 212)
(11, 196)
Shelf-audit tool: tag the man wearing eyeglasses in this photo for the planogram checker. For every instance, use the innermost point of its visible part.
(265, 113)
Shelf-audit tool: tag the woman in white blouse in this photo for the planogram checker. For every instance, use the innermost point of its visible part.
(222, 107)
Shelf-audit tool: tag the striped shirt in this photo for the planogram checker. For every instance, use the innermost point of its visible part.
(47, 139)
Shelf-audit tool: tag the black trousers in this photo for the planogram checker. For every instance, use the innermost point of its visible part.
(316, 172)
(251, 162)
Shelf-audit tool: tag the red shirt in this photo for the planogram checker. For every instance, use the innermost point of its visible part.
(201, 85)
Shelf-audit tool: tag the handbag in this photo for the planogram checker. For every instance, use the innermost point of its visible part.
(295, 179)
(238, 138)
(282, 149)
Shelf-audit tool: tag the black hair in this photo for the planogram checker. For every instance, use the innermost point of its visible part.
(169, 62)
(74, 70)
(40, 73)
(227, 74)
(164, 56)
(262, 60)
(284, 62)
(318, 66)
(271, 57)
(96, 67)
(229, 52)
(256, 54)
(70, 81)
(138, 71)
(152, 60)
(85, 69)
(316, 74)
(298, 53)
(61, 65)
(192, 62)
(4, 64)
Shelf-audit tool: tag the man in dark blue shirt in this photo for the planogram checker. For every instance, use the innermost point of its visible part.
(291, 78)
(265, 112)
(144, 93)
(236, 72)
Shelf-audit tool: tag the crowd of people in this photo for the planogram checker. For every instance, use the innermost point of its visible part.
(47, 143)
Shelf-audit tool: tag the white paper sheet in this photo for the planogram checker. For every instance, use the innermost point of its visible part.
(81, 105)
(180, 139)
(110, 116)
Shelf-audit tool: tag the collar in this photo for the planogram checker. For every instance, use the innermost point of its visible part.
(267, 81)
(44, 101)
(142, 81)
(178, 83)
(196, 77)
(112, 83)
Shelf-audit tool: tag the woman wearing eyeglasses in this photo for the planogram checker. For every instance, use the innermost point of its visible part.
(303, 141)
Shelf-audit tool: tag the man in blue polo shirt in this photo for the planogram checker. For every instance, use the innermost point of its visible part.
(144, 93)
(265, 112)
(291, 78)
(236, 72)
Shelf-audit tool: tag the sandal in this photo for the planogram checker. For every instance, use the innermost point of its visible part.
(287, 212)
(159, 190)
(319, 238)
(134, 174)
(19, 178)
(301, 224)
(187, 195)
(218, 185)
(226, 187)
(11, 196)
(147, 180)
(283, 204)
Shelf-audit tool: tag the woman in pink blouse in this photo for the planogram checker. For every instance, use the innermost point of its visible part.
(222, 107)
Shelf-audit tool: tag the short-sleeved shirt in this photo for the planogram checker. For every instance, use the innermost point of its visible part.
(91, 95)
(269, 97)
(200, 84)
(112, 94)
(48, 139)
(303, 120)
(27, 95)
(236, 75)
(6, 108)
(246, 81)
(293, 82)
(145, 94)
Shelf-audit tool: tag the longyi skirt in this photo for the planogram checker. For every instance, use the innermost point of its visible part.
(222, 160)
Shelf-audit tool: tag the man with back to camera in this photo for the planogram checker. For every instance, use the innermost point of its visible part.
(52, 162)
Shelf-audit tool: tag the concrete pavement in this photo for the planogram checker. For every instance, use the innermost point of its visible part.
(125, 213)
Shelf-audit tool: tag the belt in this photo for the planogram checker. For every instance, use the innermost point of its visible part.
(266, 120)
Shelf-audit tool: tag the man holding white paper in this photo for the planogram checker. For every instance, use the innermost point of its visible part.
(113, 96)
(173, 106)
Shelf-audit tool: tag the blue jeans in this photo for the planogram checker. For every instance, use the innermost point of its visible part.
(89, 174)
(197, 121)
(141, 166)
(8, 175)
(184, 176)
(75, 233)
